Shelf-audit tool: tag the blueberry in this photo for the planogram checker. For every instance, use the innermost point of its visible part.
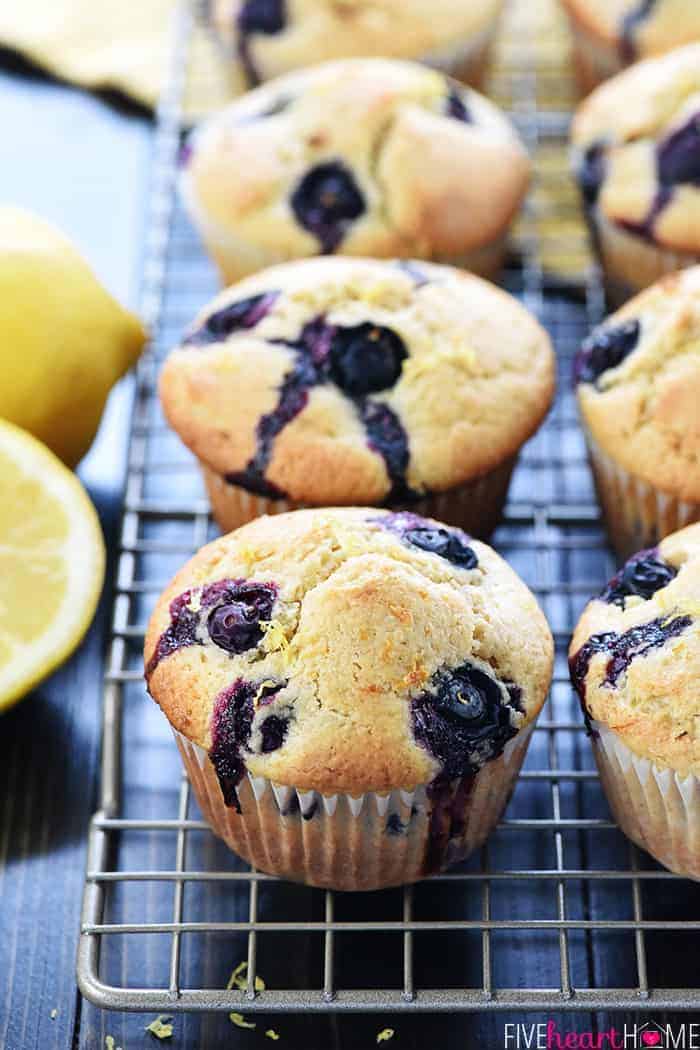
(463, 719)
(262, 16)
(456, 107)
(241, 315)
(326, 201)
(606, 347)
(273, 731)
(235, 625)
(642, 575)
(366, 358)
(678, 157)
(449, 545)
(188, 614)
(591, 173)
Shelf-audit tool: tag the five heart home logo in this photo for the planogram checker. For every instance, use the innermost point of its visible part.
(651, 1035)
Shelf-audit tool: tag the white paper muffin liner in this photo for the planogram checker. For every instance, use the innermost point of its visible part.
(346, 843)
(475, 506)
(655, 807)
(629, 262)
(637, 515)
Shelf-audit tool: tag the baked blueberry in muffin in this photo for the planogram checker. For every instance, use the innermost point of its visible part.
(637, 150)
(267, 37)
(638, 389)
(334, 666)
(365, 157)
(343, 381)
(635, 660)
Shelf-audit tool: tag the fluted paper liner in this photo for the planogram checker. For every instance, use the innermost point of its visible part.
(655, 807)
(476, 506)
(637, 515)
(346, 843)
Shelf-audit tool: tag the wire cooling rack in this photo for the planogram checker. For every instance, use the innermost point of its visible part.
(558, 911)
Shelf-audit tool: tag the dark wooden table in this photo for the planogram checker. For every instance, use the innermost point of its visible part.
(83, 162)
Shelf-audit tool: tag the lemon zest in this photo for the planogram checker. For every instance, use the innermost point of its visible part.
(240, 1021)
(161, 1028)
(385, 1035)
(239, 979)
(256, 701)
(275, 639)
(272, 1034)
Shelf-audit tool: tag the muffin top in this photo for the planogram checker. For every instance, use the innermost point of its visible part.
(635, 653)
(639, 28)
(356, 381)
(637, 149)
(366, 156)
(348, 650)
(270, 37)
(638, 384)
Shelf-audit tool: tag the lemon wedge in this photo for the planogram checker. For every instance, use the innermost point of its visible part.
(52, 562)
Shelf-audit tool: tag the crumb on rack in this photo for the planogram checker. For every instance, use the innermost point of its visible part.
(272, 1034)
(54, 1014)
(240, 1021)
(161, 1027)
(385, 1035)
(239, 979)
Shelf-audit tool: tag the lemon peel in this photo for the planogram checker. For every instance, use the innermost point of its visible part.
(239, 979)
(240, 1021)
(161, 1027)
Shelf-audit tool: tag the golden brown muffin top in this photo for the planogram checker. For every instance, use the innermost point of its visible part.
(348, 650)
(352, 381)
(639, 385)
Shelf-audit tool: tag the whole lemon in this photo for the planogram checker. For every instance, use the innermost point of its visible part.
(64, 341)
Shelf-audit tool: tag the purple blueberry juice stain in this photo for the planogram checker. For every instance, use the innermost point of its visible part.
(387, 437)
(629, 26)
(606, 347)
(677, 164)
(641, 576)
(235, 317)
(232, 727)
(228, 614)
(326, 201)
(447, 812)
(451, 544)
(232, 722)
(267, 17)
(359, 360)
(621, 650)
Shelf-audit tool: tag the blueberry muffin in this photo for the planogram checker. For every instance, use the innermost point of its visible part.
(355, 381)
(635, 663)
(363, 157)
(638, 387)
(637, 159)
(269, 37)
(610, 34)
(352, 691)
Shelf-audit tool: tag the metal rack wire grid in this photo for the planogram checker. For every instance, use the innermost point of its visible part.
(558, 911)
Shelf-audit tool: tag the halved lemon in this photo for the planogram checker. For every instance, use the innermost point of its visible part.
(52, 562)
